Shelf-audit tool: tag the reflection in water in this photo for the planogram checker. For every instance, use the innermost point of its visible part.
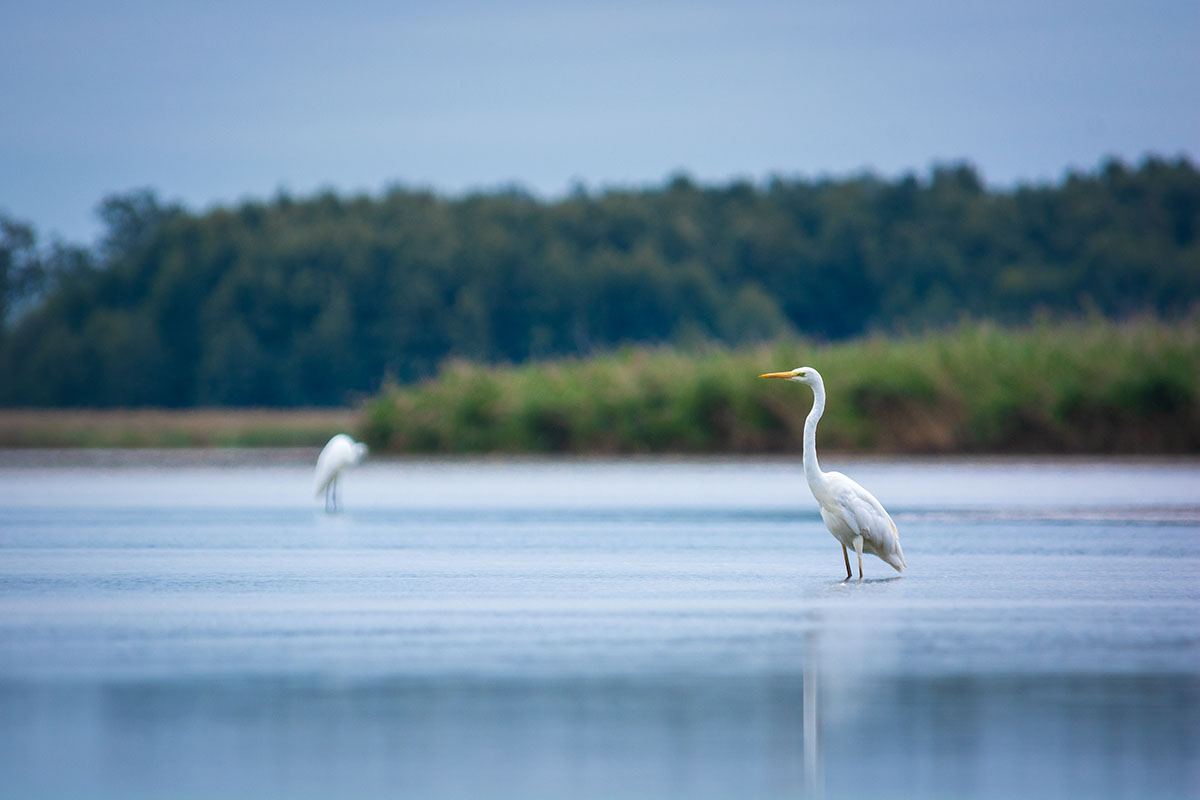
(849, 646)
(871, 727)
(937, 737)
(813, 778)
(591, 631)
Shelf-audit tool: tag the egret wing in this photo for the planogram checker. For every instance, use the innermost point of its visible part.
(867, 516)
(331, 459)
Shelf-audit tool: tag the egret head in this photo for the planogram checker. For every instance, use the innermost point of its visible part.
(799, 374)
(360, 452)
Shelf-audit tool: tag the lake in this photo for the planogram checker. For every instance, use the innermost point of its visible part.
(191, 624)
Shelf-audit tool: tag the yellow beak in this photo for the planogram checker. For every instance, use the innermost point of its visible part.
(778, 375)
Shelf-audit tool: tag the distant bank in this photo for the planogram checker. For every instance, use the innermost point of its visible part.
(174, 428)
(311, 302)
(1088, 387)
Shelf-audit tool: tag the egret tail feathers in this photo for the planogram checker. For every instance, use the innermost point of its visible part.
(896, 559)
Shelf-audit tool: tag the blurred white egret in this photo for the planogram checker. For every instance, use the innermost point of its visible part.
(341, 452)
(852, 514)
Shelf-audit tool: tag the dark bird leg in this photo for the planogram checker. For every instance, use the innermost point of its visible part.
(846, 556)
(858, 543)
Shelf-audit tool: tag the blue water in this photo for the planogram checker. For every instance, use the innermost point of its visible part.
(192, 625)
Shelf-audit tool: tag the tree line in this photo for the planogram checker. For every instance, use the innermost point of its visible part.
(320, 300)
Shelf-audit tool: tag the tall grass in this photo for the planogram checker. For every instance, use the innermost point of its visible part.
(1053, 388)
(215, 427)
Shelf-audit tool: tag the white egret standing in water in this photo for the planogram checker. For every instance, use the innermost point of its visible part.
(852, 514)
(340, 453)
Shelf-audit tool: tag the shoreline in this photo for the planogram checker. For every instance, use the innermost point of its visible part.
(162, 428)
(73, 457)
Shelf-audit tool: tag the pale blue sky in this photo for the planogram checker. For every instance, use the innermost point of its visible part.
(210, 102)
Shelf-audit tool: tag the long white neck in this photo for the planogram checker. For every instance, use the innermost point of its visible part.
(812, 469)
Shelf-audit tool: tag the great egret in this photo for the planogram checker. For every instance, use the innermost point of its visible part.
(340, 453)
(852, 514)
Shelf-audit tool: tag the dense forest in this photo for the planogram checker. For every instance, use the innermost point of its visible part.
(316, 301)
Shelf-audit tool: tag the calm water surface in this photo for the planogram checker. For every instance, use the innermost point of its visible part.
(192, 625)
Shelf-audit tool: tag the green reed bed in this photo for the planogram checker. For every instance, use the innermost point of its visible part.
(172, 428)
(1053, 388)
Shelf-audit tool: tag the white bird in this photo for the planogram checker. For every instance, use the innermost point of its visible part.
(339, 454)
(852, 514)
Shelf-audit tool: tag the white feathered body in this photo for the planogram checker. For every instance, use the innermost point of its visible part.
(850, 511)
(341, 452)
